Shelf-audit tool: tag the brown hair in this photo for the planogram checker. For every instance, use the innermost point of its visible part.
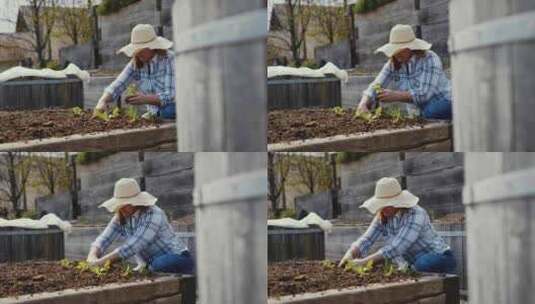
(122, 219)
(384, 219)
(418, 53)
(138, 64)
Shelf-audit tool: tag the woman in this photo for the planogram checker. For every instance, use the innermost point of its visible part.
(414, 72)
(407, 231)
(148, 235)
(152, 68)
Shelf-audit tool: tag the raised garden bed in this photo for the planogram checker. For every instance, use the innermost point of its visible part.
(329, 130)
(289, 244)
(317, 282)
(63, 130)
(291, 92)
(45, 282)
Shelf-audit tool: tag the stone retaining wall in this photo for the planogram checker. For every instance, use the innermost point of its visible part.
(430, 289)
(164, 290)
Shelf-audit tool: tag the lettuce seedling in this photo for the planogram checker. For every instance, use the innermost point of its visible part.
(328, 264)
(82, 266)
(102, 115)
(65, 263)
(116, 113)
(338, 111)
(77, 111)
(132, 114)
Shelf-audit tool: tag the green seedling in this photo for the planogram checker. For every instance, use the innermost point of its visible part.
(360, 270)
(395, 114)
(132, 114)
(388, 268)
(116, 113)
(102, 115)
(77, 111)
(127, 271)
(369, 117)
(101, 271)
(65, 263)
(82, 266)
(339, 111)
(328, 264)
(377, 88)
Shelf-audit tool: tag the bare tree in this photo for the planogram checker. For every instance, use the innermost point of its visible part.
(76, 22)
(331, 22)
(53, 172)
(294, 22)
(278, 170)
(314, 173)
(35, 25)
(14, 172)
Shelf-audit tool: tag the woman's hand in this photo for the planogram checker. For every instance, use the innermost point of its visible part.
(141, 99)
(351, 253)
(102, 104)
(390, 96)
(364, 104)
(93, 254)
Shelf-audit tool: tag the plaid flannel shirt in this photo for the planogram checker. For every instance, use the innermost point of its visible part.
(423, 78)
(147, 234)
(156, 77)
(407, 236)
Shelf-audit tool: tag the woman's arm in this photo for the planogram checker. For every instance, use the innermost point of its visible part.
(105, 239)
(383, 79)
(363, 244)
(120, 84)
(393, 96)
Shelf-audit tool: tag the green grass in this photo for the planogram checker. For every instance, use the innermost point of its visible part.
(365, 6)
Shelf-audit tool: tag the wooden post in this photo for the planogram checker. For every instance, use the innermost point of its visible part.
(499, 197)
(492, 43)
(220, 75)
(230, 219)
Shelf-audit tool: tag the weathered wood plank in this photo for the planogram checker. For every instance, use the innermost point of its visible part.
(20, 244)
(115, 140)
(382, 140)
(39, 94)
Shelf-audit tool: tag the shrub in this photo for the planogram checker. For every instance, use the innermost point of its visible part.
(53, 64)
(31, 214)
(365, 6)
(108, 7)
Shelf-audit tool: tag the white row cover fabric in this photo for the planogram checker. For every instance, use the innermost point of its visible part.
(311, 219)
(17, 72)
(43, 223)
(328, 68)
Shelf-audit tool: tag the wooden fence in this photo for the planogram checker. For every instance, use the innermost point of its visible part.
(18, 244)
(42, 93)
(295, 244)
(301, 92)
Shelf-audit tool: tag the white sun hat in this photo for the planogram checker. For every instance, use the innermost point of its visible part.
(402, 37)
(127, 192)
(144, 36)
(388, 193)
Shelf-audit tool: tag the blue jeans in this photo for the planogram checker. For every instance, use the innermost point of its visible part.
(168, 111)
(437, 108)
(173, 263)
(439, 263)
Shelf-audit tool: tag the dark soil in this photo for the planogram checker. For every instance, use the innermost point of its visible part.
(297, 277)
(300, 124)
(36, 277)
(40, 124)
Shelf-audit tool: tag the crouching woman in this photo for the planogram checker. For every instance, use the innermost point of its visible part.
(410, 239)
(414, 73)
(148, 235)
